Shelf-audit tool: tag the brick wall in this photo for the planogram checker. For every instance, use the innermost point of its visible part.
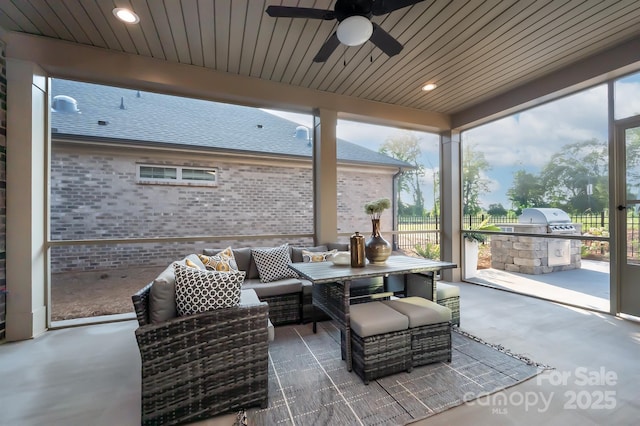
(3, 187)
(355, 189)
(94, 195)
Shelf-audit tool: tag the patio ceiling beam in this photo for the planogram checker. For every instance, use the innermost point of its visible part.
(77, 62)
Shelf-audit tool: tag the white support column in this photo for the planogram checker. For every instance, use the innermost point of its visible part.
(325, 175)
(27, 139)
(451, 200)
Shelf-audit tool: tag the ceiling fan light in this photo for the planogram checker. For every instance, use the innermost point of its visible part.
(354, 31)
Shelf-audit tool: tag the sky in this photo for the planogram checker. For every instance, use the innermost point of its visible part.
(525, 140)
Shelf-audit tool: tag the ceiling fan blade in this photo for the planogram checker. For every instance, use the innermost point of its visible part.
(299, 12)
(327, 48)
(384, 41)
(382, 7)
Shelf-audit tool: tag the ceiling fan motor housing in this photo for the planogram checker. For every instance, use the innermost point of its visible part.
(347, 8)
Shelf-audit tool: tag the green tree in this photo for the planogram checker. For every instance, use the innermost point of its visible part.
(474, 182)
(497, 210)
(405, 147)
(527, 191)
(576, 177)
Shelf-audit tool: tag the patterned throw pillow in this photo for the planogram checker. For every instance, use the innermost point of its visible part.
(217, 263)
(200, 291)
(317, 256)
(273, 263)
(191, 264)
(223, 261)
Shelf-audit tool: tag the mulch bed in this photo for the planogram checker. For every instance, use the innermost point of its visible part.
(95, 293)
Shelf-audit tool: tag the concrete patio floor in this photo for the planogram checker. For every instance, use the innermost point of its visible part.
(587, 287)
(91, 375)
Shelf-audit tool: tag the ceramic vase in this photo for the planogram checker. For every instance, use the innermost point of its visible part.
(377, 249)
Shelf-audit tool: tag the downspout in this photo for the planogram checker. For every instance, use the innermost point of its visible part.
(395, 196)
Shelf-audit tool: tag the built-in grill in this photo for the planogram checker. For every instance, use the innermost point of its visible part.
(556, 220)
(531, 255)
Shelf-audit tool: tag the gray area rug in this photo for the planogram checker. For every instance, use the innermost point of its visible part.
(309, 383)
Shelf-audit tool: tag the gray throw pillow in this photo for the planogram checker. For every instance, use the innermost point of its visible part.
(338, 246)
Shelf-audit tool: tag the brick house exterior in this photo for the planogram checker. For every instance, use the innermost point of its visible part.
(264, 177)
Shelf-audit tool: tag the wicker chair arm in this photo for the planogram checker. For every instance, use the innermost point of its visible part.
(197, 366)
(141, 304)
(157, 340)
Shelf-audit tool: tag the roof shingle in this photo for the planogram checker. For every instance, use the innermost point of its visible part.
(146, 117)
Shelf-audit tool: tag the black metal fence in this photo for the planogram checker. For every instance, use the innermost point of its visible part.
(425, 230)
(417, 230)
(588, 220)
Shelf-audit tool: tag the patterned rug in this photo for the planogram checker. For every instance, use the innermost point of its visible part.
(309, 383)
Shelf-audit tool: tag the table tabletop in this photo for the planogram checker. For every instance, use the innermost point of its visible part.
(324, 272)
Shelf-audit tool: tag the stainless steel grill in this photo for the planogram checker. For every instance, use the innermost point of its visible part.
(556, 220)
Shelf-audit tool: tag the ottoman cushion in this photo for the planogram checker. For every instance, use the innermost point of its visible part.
(420, 311)
(370, 319)
(446, 291)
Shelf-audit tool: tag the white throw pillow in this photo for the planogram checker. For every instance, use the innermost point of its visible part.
(200, 291)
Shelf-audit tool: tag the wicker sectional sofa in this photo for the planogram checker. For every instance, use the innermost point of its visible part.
(290, 299)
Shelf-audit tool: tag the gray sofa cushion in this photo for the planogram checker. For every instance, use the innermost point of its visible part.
(243, 257)
(338, 246)
(248, 297)
(162, 297)
(275, 288)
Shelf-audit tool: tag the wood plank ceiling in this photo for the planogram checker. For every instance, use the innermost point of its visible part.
(473, 50)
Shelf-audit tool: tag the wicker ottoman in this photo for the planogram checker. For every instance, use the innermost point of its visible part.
(449, 295)
(380, 341)
(430, 326)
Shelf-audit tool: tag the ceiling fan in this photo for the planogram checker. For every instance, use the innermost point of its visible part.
(354, 23)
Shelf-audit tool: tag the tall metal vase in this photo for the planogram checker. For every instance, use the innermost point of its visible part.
(377, 249)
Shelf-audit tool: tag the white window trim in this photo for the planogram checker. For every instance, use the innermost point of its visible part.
(178, 180)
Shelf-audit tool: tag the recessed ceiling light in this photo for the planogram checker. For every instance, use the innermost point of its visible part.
(125, 15)
(429, 87)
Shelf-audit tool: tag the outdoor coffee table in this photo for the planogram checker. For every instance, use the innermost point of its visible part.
(331, 284)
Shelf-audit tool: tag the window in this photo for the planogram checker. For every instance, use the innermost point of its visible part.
(627, 103)
(148, 174)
